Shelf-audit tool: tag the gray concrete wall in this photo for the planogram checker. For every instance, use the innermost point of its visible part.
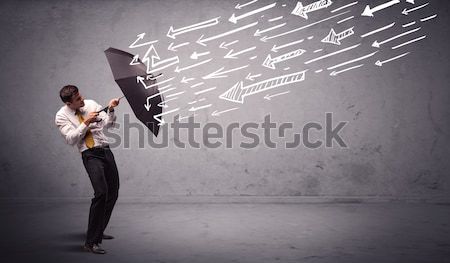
(397, 132)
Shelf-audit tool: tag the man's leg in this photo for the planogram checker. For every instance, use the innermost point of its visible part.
(112, 181)
(94, 164)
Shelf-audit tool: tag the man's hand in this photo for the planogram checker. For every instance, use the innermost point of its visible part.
(113, 103)
(92, 117)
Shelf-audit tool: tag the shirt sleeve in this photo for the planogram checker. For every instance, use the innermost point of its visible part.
(71, 134)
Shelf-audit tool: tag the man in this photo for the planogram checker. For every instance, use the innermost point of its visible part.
(81, 123)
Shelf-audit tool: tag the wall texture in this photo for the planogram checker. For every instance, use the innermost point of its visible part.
(397, 132)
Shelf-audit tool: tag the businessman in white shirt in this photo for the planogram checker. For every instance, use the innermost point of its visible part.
(81, 123)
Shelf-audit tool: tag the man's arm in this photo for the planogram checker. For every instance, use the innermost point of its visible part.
(71, 135)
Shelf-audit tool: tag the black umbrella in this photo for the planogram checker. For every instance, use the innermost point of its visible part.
(144, 101)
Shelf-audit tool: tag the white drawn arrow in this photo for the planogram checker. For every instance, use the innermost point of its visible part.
(270, 62)
(239, 6)
(152, 65)
(409, 42)
(202, 40)
(173, 48)
(238, 92)
(258, 32)
(335, 73)
(141, 80)
(147, 105)
(380, 63)
(174, 32)
(265, 38)
(220, 73)
(407, 11)
(410, 1)
(160, 120)
(186, 80)
(275, 48)
(234, 18)
(218, 113)
(200, 107)
(303, 11)
(334, 38)
(252, 77)
(196, 55)
(178, 69)
(269, 97)
(140, 37)
(230, 54)
(378, 44)
(204, 90)
(225, 45)
(369, 11)
(135, 60)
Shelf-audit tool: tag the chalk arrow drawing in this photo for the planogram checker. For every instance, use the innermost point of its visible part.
(335, 73)
(303, 11)
(238, 92)
(174, 32)
(275, 48)
(160, 120)
(202, 40)
(186, 80)
(220, 73)
(230, 54)
(135, 60)
(334, 38)
(269, 97)
(218, 113)
(234, 18)
(200, 107)
(270, 62)
(178, 69)
(265, 38)
(147, 105)
(196, 55)
(410, 1)
(140, 37)
(225, 45)
(381, 63)
(407, 11)
(258, 32)
(154, 64)
(369, 11)
(239, 6)
(378, 44)
(252, 77)
(173, 48)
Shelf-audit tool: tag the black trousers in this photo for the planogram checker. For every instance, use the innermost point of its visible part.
(102, 170)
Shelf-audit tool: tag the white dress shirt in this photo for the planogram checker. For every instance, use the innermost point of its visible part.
(73, 131)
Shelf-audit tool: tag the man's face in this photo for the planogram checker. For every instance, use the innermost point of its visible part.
(77, 102)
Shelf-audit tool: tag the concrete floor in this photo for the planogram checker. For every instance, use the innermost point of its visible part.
(368, 232)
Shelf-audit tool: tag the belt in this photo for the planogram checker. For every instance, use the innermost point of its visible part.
(96, 148)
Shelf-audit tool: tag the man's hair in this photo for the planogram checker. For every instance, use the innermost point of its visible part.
(67, 92)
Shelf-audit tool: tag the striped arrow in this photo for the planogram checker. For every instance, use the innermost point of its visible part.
(303, 11)
(270, 62)
(334, 38)
(238, 92)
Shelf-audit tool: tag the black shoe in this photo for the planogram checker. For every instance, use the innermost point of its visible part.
(96, 249)
(107, 237)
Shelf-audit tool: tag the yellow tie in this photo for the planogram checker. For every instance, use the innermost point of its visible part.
(88, 138)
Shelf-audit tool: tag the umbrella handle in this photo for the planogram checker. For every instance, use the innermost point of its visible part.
(105, 109)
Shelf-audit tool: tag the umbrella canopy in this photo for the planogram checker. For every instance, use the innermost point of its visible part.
(144, 101)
